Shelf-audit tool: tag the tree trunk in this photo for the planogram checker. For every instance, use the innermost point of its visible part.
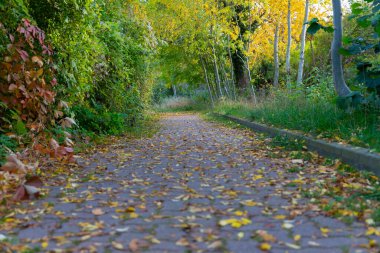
(231, 69)
(216, 71)
(340, 85)
(174, 91)
(238, 56)
(276, 60)
(303, 41)
(207, 82)
(288, 78)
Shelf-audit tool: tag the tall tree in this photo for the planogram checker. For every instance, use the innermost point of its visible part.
(340, 85)
(276, 59)
(238, 55)
(303, 42)
(289, 45)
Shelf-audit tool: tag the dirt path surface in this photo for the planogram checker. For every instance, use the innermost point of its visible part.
(193, 187)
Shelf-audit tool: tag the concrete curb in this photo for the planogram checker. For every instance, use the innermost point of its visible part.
(360, 158)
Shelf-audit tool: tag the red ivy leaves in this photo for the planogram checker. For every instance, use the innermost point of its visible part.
(27, 77)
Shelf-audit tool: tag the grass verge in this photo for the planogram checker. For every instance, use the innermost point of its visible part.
(319, 118)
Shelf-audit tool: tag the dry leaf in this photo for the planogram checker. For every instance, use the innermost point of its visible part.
(97, 211)
(117, 245)
(134, 245)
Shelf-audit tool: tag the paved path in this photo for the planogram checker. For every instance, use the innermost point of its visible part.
(193, 187)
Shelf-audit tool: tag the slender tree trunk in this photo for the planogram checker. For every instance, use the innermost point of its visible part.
(340, 85)
(303, 41)
(207, 82)
(232, 69)
(174, 91)
(288, 78)
(276, 60)
(216, 71)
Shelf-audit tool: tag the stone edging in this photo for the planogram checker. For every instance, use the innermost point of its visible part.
(360, 158)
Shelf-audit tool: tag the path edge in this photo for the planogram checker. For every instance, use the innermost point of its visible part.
(360, 158)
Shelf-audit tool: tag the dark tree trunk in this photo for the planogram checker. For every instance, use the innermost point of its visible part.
(240, 71)
(238, 56)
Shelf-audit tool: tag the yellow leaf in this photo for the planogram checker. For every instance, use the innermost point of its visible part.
(133, 215)
(325, 231)
(372, 243)
(239, 213)
(257, 177)
(44, 245)
(373, 231)
(236, 224)
(280, 217)
(297, 238)
(265, 246)
(9, 220)
(249, 203)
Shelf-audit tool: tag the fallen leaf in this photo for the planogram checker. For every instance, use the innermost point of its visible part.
(215, 245)
(117, 245)
(265, 246)
(292, 246)
(97, 211)
(122, 230)
(134, 245)
(297, 238)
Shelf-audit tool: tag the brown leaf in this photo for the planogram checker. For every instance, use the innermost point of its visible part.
(34, 181)
(21, 194)
(134, 245)
(13, 164)
(97, 211)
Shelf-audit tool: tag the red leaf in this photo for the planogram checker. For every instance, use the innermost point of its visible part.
(21, 194)
(34, 181)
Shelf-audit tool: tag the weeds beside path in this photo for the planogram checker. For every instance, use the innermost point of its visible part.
(197, 186)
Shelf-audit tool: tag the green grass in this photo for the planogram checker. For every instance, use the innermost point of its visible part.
(318, 117)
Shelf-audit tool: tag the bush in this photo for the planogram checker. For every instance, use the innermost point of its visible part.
(101, 121)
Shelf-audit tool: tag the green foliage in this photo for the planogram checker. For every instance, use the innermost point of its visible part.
(315, 26)
(101, 121)
(6, 142)
(11, 13)
(101, 55)
(365, 48)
